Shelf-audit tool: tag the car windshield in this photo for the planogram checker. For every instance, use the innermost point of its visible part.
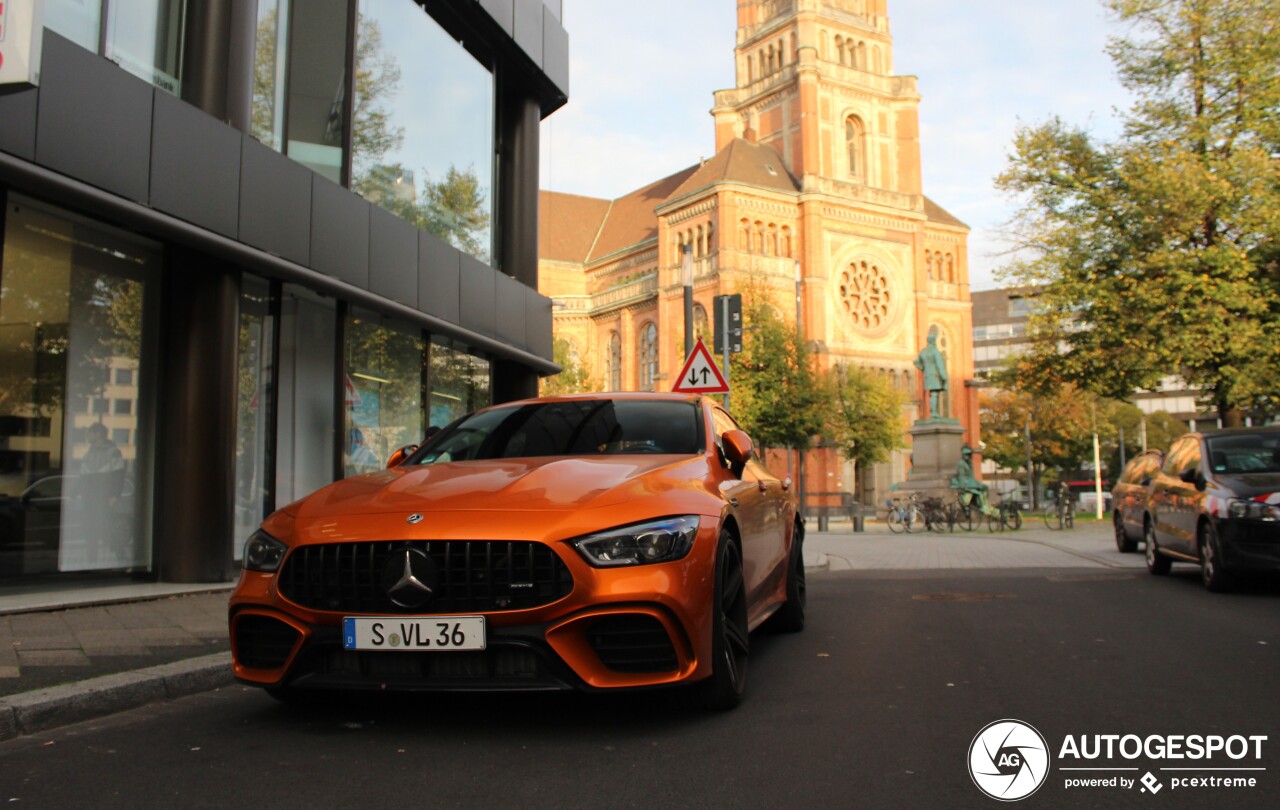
(1245, 453)
(592, 427)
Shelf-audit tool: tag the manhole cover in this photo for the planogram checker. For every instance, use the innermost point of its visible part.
(961, 597)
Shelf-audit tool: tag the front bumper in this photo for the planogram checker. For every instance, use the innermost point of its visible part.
(1249, 545)
(619, 628)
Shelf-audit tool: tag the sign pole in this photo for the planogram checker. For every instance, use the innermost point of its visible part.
(686, 273)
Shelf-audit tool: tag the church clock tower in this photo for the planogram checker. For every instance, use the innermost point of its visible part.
(815, 81)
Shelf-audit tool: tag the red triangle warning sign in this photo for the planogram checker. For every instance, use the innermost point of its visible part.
(700, 374)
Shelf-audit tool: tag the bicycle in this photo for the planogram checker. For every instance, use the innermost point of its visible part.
(904, 517)
(1061, 514)
(967, 513)
(937, 517)
(1008, 515)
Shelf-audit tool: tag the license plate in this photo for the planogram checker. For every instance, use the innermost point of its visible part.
(413, 634)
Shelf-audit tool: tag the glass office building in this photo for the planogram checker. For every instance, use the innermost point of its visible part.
(250, 247)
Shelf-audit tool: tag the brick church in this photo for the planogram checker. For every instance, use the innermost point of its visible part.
(815, 179)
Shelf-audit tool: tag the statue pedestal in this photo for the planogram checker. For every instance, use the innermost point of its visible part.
(935, 452)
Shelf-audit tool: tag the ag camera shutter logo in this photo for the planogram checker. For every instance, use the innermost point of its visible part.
(1009, 760)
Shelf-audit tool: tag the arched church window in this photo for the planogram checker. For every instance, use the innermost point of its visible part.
(951, 270)
(615, 361)
(648, 356)
(840, 49)
(700, 328)
(758, 237)
(928, 264)
(787, 247)
(771, 246)
(862, 56)
(744, 235)
(855, 136)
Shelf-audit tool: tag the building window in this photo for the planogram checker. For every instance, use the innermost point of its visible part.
(648, 356)
(316, 115)
(410, 74)
(253, 408)
(269, 68)
(458, 383)
(142, 36)
(383, 390)
(123, 407)
(854, 138)
(701, 328)
(77, 300)
(307, 417)
(615, 362)
(124, 376)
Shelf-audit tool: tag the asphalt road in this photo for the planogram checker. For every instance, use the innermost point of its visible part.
(874, 705)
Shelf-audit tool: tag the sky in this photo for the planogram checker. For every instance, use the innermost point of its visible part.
(641, 78)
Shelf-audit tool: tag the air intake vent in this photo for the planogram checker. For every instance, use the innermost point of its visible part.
(633, 644)
(263, 642)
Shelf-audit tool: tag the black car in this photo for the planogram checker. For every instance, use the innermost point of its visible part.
(1129, 498)
(1216, 502)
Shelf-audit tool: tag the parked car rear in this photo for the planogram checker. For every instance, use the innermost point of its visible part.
(1216, 502)
(1129, 498)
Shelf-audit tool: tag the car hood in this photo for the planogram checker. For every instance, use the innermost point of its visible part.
(1256, 486)
(533, 484)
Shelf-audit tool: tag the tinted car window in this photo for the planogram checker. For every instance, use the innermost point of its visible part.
(1179, 455)
(568, 428)
(1245, 453)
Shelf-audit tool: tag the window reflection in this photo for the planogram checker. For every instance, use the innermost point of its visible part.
(145, 38)
(74, 469)
(77, 20)
(383, 393)
(459, 383)
(317, 87)
(269, 66)
(422, 141)
(253, 398)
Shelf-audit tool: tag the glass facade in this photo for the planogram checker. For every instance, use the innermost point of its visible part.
(307, 411)
(384, 390)
(269, 66)
(423, 119)
(459, 383)
(76, 317)
(315, 127)
(142, 36)
(254, 396)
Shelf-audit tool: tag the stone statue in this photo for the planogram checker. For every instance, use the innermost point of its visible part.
(934, 366)
(965, 483)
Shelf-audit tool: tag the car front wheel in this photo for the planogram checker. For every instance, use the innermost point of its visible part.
(730, 642)
(1157, 563)
(1214, 576)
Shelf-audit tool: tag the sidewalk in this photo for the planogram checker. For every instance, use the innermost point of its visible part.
(85, 652)
(72, 655)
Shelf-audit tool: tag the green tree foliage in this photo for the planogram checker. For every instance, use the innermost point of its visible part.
(865, 417)
(573, 378)
(776, 396)
(1158, 252)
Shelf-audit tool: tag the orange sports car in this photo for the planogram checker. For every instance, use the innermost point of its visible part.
(589, 542)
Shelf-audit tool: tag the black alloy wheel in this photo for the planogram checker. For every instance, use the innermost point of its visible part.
(790, 617)
(730, 642)
(1212, 574)
(1124, 544)
(1157, 563)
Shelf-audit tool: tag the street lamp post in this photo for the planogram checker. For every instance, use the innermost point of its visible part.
(686, 278)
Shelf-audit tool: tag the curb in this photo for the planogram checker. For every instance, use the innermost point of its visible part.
(44, 709)
(816, 562)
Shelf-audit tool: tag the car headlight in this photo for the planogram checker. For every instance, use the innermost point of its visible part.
(262, 552)
(640, 544)
(1252, 510)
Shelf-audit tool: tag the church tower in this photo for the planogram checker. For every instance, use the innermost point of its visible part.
(815, 81)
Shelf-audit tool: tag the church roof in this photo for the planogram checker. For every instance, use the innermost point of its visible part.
(741, 162)
(579, 229)
(936, 213)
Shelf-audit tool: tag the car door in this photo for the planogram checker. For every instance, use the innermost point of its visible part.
(751, 504)
(1174, 512)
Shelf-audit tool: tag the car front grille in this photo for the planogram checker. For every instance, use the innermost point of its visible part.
(470, 576)
(633, 644)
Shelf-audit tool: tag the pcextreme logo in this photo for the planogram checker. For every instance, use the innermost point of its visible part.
(1010, 760)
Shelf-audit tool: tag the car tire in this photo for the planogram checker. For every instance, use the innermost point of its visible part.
(730, 644)
(1157, 563)
(1212, 574)
(790, 617)
(1124, 544)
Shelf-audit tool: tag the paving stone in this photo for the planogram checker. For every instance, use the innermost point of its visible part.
(7, 671)
(65, 641)
(165, 637)
(52, 658)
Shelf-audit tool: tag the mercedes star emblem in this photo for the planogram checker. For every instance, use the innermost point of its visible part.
(410, 577)
(414, 518)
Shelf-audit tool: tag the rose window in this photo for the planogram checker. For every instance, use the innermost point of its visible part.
(864, 294)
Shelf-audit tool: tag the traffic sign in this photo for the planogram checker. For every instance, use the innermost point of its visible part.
(700, 374)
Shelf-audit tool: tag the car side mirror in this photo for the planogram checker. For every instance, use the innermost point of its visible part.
(786, 484)
(738, 449)
(1188, 476)
(400, 455)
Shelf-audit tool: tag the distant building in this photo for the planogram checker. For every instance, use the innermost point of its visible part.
(815, 185)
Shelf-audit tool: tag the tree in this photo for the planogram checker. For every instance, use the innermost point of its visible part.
(865, 417)
(776, 397)
(1061, 428)
(454, 209)
(1158, 253)
(574, 377)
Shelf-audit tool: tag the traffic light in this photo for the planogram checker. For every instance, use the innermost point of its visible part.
(728, 310)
